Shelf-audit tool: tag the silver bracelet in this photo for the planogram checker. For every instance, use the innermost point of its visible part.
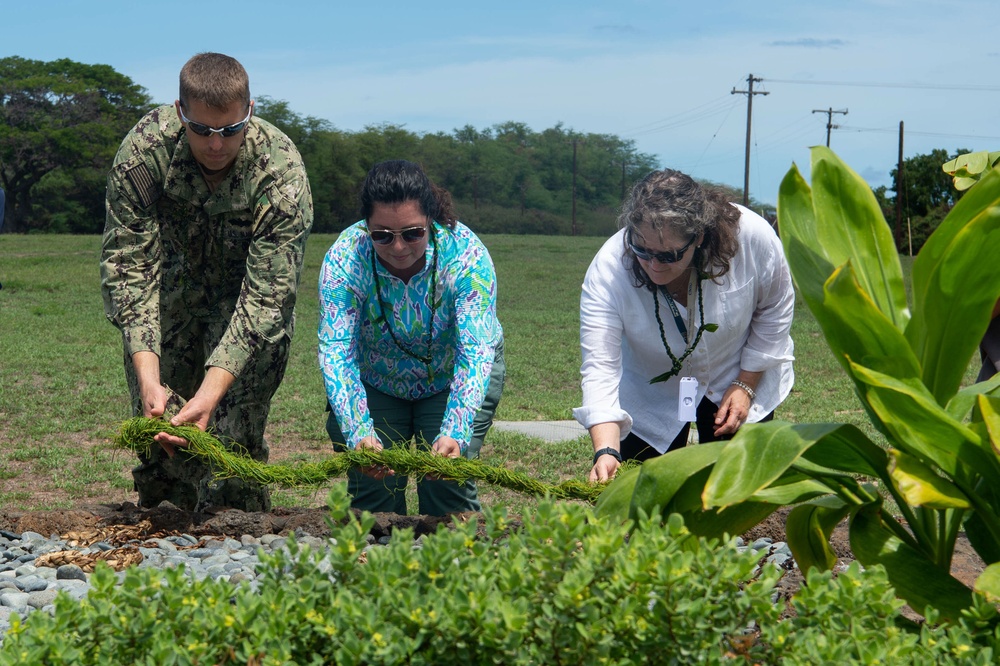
(745, 387)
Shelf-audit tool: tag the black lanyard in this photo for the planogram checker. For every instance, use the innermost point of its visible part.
(681, 326)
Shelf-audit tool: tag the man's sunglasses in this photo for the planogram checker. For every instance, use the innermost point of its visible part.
(662, 257)
(227, 131)
(386, 237)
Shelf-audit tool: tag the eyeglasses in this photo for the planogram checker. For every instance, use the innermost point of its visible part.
(386, 237)
(662, 257)
(226, 132)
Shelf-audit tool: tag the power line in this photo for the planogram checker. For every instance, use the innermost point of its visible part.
(707, 146)
(893, 130)
(713, 108)
(913, 86)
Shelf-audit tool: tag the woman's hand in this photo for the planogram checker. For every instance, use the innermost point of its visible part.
(603, 436)
(372, 443)
(604, 469)
(447, 447)
(733, 411)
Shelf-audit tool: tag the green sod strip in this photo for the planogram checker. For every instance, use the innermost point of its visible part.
(137, 434)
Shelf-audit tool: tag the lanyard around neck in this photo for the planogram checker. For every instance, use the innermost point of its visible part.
(384, 308)
(681, 326)
(677, 363)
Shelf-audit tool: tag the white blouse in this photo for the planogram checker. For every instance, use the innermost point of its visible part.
(622, 350)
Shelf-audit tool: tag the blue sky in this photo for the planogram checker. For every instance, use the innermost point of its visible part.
(658, 72)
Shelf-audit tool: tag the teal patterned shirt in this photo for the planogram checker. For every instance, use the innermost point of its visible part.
(355, 341)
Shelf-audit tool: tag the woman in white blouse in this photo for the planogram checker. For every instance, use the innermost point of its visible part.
(685, 316)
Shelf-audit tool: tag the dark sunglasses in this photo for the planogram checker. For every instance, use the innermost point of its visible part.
(227, 131)
(386, 237)
(662, 257)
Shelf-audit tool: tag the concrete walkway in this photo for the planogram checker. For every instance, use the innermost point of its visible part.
(550, 431)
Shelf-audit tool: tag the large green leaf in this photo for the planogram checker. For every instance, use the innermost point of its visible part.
(791, 489)
(616, 499)
(851, 227)
(757, 456)
(662, 477)
(808, 529)
(988, 583)
(761, 454)
(810, 268)
(981, 197)
(920, 485)
(855, 328)
(811, 248)
(672, 483)
(847, 449)
(990, 409)
(962, 402)
(955, 288)
(921, 427)
(916, 579)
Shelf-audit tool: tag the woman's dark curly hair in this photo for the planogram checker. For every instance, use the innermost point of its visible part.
(672, 200)
(396, 181)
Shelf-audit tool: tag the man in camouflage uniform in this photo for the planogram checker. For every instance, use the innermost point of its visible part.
(208, 211)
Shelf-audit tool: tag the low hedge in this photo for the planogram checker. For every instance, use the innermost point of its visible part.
(564, 588)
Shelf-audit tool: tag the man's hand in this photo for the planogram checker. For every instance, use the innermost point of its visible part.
(151, 392)
(197, 411)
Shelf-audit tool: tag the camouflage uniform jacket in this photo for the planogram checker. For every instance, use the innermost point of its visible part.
(172, 245)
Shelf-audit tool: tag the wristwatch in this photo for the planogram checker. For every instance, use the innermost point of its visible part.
(608, 450)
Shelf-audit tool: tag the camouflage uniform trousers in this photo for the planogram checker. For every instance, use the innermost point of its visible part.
(240, 418)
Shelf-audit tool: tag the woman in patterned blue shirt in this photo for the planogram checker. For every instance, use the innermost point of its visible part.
(409, 341)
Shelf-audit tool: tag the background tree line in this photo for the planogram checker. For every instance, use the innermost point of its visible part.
(61, 123)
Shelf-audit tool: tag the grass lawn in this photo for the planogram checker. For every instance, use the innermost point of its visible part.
(63, 394)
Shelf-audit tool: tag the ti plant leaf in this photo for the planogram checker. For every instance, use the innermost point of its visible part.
(921, 486)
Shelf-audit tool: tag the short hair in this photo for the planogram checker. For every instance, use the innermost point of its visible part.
(215, 80)
(669, 199)
(397, 181)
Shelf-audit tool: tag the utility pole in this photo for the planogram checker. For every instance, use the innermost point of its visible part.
(829, 121)
(749, 92)
(900, 189)
(574, 186)
(624, 159)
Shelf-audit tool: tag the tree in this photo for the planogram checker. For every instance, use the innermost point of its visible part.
(65, 116)
(927, 194)
(315, 138)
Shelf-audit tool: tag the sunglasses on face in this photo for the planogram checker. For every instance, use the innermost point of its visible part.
(226, 132)
(662, 257)
(387, 237)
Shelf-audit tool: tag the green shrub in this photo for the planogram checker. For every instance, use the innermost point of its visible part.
(854, 618)
(564, 588)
